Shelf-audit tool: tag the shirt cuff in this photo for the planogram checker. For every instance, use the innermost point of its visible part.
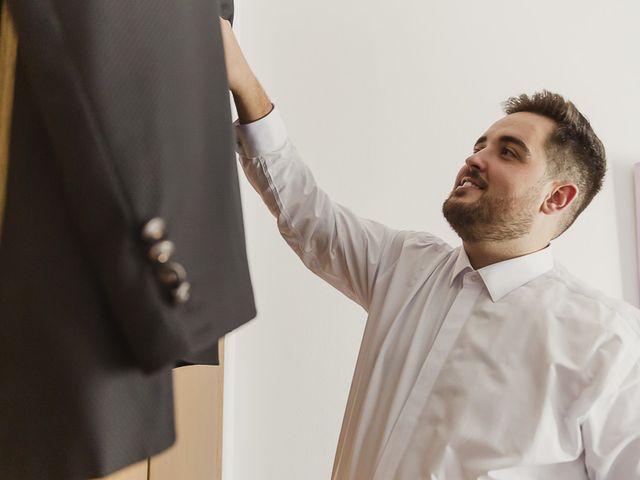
(262, 136)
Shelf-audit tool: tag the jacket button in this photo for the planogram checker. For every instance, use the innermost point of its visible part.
(172, 274)
(181, 293)
(154, 230)
(161, 251)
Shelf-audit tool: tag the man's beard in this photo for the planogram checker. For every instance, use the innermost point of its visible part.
(490, 218)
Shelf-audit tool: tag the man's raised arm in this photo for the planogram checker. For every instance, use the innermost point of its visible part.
(347, 251)
(250, 98)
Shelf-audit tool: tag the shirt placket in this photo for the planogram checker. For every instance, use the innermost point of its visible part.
(407, 420)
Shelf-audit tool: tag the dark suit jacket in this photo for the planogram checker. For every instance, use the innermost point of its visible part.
(121, 114)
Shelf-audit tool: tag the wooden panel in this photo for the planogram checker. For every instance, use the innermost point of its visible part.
(197, 453)
(8, 51)
(137, 471)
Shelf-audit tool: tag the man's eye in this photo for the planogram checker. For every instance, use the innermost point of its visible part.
(508, 151)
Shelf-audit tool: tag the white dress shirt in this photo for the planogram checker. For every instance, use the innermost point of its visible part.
(514, 371)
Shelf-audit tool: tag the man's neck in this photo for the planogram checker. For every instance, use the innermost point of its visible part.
(484, 253)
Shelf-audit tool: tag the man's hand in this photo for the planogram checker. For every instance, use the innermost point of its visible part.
(250, 98)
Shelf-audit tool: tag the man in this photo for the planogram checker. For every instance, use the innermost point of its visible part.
(486, 361)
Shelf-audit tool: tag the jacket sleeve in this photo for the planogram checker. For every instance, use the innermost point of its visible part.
(347, 251)
(134, 99)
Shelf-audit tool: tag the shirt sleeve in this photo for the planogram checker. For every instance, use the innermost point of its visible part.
(345, 250)
(611, 432)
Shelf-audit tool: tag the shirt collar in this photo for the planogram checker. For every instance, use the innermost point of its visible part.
(462, 265)
(503, 277)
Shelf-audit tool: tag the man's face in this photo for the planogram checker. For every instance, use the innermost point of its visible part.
(499, 190)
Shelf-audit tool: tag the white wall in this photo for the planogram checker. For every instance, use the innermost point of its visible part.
(384, 100)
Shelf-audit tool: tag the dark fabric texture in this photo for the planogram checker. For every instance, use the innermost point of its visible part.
(121, 114)
(226, 10)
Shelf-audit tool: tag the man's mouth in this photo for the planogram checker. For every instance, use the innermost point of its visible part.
(469, 182)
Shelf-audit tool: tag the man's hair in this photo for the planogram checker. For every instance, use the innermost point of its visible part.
(574, 152)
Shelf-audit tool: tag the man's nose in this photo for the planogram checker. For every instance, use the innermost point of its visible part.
(477, 161)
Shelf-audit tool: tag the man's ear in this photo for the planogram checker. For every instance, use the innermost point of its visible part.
(560, 198)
